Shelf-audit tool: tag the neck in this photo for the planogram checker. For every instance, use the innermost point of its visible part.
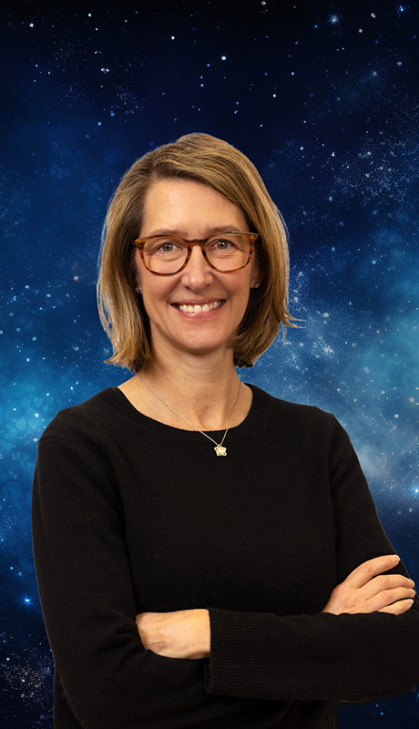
(202, 390)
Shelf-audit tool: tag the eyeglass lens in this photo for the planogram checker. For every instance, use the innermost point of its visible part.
(167, 254)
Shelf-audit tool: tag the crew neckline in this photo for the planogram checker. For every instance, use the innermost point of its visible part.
(258, 408)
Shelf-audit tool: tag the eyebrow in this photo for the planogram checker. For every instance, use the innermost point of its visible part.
(177, 231)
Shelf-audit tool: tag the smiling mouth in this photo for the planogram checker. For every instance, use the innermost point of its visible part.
(197, 308)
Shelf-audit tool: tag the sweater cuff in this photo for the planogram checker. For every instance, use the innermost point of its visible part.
(239, 649)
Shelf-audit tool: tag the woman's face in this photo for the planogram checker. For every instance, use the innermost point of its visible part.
(194, 211)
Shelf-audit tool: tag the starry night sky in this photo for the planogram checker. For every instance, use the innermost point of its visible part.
(323, 98)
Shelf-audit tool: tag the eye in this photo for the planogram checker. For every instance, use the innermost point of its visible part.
(166, 246)
(222, 244)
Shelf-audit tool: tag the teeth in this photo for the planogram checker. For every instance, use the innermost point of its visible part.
(197, 309)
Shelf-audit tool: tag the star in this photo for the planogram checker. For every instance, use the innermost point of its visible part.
(220, 450)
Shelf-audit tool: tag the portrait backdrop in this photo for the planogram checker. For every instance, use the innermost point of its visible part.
(323, 98)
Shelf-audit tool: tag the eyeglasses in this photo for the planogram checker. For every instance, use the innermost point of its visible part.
(166, 255)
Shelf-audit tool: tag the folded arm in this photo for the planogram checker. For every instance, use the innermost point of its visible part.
(335, 655)
(187, 633)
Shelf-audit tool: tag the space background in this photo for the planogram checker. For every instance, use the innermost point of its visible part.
(323, 98)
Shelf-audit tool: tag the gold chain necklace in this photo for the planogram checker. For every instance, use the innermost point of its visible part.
(219, 448)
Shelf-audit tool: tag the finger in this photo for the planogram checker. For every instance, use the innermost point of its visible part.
(386, 582)
(367, 570)
(398, 608)
(388, 597)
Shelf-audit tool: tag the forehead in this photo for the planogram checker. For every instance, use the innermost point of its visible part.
(179, 205)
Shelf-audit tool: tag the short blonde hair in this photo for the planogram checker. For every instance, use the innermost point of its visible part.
(216, 163)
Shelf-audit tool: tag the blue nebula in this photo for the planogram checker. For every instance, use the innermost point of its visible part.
(329, 117)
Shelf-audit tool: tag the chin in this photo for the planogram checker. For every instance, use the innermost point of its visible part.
(203, 348)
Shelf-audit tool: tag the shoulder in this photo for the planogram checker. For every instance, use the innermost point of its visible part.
(94, 415)
(294, 415)
(78, 454)
(306, 431)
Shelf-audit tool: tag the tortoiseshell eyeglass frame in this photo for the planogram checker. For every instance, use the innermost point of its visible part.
(141, 242)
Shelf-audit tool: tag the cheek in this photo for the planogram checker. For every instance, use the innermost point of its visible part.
(156, 293)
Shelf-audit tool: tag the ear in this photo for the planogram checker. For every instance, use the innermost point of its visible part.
(256, 275)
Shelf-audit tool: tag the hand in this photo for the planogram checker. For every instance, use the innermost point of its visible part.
(364, 592)
(179, 634)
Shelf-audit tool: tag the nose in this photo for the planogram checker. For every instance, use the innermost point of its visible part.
(197, 273)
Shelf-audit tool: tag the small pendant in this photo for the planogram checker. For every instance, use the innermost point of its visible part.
(220, 450)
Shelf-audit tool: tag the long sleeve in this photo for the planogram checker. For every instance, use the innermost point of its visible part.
(84, 576)
(322, 656)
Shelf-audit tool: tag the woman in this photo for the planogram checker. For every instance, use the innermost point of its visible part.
(208, 555)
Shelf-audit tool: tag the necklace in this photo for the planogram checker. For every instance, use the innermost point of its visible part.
(219, 448)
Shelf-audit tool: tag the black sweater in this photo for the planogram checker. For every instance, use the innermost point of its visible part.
(130, 515)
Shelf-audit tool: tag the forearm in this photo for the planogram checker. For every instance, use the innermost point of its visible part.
(264, 656)
(312, 657)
